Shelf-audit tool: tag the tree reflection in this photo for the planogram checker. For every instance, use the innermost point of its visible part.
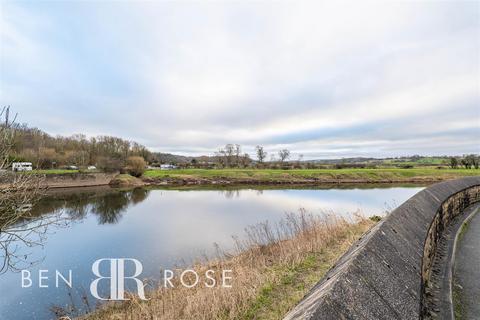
(17, 240)
(230, 193)
(109, 208)
(138, 195)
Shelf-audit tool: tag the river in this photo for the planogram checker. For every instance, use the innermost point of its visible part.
(161, 228)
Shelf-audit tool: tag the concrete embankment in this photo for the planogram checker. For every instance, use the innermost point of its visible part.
(67, 180)
(387, 273)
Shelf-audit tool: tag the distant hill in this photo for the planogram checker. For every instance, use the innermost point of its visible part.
(417, 160)
(345, 160)
(178, 159)
(171, 158)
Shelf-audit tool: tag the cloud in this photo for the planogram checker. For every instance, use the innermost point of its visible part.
(323, 79)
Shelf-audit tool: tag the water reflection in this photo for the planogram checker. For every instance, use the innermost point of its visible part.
(17, 241)
(107, 205)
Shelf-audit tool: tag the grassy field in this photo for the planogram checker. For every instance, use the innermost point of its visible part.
(303, 175)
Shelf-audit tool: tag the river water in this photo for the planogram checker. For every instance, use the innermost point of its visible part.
(160, 228)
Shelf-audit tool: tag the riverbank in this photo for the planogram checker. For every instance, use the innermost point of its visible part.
(53, 179)
(235, 177)
(302, 176)
(271, 272)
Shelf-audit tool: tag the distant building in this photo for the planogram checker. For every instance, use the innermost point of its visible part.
(167, 167)
(21, 166)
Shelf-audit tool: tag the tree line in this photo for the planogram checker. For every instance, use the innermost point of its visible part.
(231, 156)
(468, 161)
(48, 152)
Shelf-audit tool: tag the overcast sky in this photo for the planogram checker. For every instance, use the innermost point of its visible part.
(323, 79)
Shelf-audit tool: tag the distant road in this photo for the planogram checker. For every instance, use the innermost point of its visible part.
(467, 270)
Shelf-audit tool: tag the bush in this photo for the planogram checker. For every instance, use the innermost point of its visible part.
(375, 218)
(136, 166)
(109, 165)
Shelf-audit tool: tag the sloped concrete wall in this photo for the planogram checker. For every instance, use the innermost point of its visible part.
(384, 275)
(69, 180)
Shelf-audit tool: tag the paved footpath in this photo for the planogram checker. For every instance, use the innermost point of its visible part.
(467, 269)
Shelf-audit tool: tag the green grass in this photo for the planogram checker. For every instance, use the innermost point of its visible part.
(458, 307)
(277, 175)
(276, 298)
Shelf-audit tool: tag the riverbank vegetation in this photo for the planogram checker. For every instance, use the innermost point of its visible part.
(16, 224)
(306, 175)
(274, 266)
(247, 177)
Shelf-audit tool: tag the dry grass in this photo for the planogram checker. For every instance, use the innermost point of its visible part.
(273, 267)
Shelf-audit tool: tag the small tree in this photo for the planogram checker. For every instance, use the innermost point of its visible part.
(466, 163)
(261, 154)
(194, 162)
(237, 152)
(109, 165)
(245, 160)
(283, 155)
(453, 162)
(136, 166)
(472, 161)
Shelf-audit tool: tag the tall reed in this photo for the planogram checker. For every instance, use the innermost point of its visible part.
(255, 261)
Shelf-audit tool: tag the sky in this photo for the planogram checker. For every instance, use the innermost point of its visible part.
(324, 79)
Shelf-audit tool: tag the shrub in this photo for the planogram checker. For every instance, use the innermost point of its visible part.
(136, 166)
(109, 165)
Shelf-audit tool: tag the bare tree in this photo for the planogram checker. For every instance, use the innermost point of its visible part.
(18, 193)
(237, 151)
(229, 154)
(221, 157)
(261, 154)
(283, 154)
(245, 160)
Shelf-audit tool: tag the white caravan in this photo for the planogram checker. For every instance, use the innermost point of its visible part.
(21, 166)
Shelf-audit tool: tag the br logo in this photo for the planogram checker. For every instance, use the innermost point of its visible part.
(117, 278)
